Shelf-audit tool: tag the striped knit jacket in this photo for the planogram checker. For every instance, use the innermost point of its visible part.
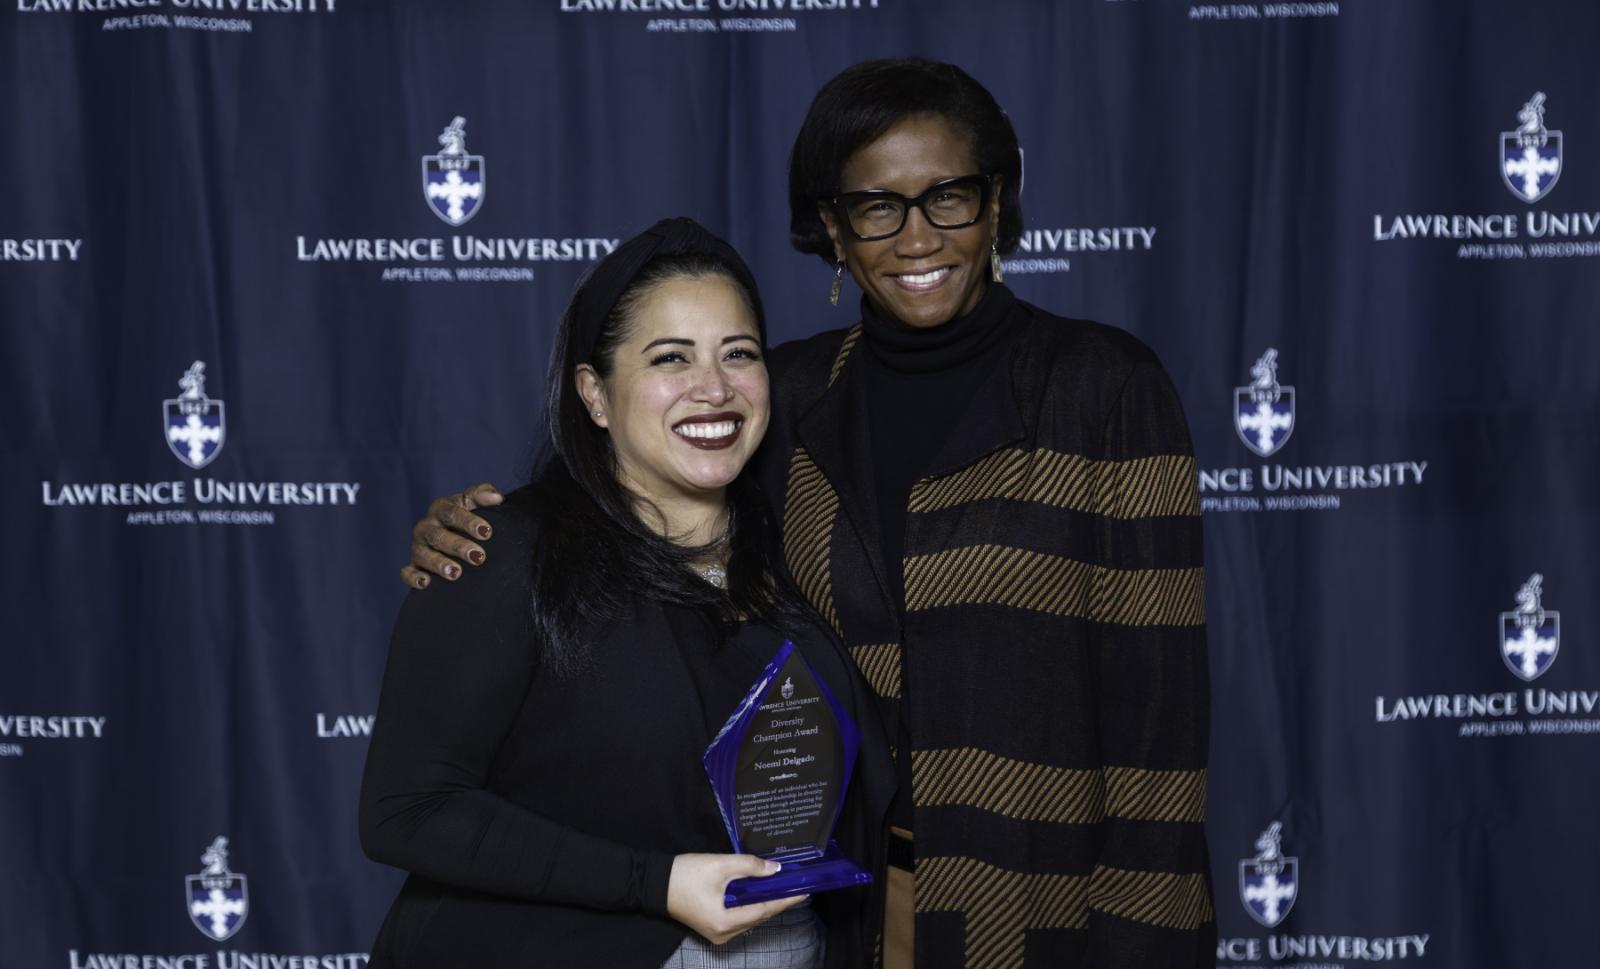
(1052, 658)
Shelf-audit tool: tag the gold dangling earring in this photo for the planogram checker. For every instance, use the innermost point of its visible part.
(838, 283)
(994, 263)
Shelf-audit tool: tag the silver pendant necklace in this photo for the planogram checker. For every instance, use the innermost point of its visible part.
(716, 573)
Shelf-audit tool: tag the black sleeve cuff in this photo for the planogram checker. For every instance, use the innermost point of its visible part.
(651, 873)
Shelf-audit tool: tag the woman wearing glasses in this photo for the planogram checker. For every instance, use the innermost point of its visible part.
(995, 508)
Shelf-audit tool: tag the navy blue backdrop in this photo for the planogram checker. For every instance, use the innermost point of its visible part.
(274, 272)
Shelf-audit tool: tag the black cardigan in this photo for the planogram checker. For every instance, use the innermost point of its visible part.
(539, 816)
(1053, 634)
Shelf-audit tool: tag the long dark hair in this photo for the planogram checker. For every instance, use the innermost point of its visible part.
(593, 553)
(864, 101)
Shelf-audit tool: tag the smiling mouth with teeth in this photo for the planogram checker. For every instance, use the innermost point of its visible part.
(709, 435)
(923, 280)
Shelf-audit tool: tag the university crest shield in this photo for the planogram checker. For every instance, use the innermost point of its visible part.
(453, 182)
(1263, 421)
(1530, 635)
(1530, 167)
(1269, 889)
(1530, 157)
(217, 899)
(218, 904)
(194, 425)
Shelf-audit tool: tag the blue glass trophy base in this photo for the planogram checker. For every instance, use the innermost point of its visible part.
(803, 876)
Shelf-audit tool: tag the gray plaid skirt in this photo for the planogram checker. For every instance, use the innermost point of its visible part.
(792, 939)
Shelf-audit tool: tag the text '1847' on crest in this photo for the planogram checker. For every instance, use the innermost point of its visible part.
(194, 423)
(1270, 882)
(1263, 413)
(1530, 156)
(1530, 635)
(453, 182)
(218, 899)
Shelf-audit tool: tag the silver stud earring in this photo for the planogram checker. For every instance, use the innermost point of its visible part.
(994, 263)
(838, 283)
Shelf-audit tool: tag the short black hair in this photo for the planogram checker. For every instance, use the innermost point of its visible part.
(867, 99)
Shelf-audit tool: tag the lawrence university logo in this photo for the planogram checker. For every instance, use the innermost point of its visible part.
(453, 187)
(1531, 635)
(194, 422)
(1530, 160)
(218, 898)
(815, 11)
(1530, 157)
(218, 901)
(1269, 882)
(194, 430)
(150, 16)
(787, 690)
(453, 181)
(1263, 413)
(1269, 885)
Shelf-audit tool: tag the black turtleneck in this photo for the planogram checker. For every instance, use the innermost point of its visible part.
(919, 381)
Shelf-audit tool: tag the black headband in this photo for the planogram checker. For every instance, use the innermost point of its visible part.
(611, 278)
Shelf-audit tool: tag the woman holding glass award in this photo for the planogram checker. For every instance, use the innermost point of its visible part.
(996, 509)
(536, 761)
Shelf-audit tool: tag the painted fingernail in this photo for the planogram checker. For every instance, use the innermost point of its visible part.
(483, 531)
(422, 582)
(475, 557)
(451, 571)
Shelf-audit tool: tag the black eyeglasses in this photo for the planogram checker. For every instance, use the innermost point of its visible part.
(878, 214)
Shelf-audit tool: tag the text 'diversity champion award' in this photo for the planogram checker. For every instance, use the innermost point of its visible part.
(779, 768)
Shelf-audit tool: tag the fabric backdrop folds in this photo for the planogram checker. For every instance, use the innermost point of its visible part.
(1220, 179)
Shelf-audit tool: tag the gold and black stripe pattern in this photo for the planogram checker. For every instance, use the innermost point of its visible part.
(1002, 575)
(970, 777)
(880, 667)
(1156, 897)
(1149, 487)
(1002, 809)
(849, 344)
(1149, 597)
(1000, 905)
(1156, 795)
(809, 511)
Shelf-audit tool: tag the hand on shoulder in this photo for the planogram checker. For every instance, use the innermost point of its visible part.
(442, 540)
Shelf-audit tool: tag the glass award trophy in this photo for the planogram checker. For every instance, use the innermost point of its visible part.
(779, 768)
